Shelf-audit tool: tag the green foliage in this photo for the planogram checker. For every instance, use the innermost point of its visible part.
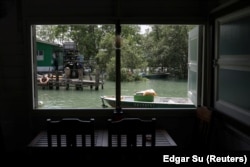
(165, 46)
(87, 38)
(46, 33)
(111, 69)
(131, 53)
(106, 51)
(127, 75)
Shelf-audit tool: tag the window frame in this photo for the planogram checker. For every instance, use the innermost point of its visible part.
(41, 56)
(31, 30)
(229, 62)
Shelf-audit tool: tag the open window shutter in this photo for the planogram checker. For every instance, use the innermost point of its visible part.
(193, 54)
(232, 66)
(34, 64)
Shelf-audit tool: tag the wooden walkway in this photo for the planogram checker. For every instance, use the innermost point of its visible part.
(67, 83)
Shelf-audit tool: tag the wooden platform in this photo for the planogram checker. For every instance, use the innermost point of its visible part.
(67, 83)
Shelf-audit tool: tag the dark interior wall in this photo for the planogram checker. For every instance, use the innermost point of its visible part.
(229, 135)
(129, 11)
(14, 91)
(18, 121)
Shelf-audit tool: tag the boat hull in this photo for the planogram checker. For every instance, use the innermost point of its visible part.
(156, 76)
(128, 102)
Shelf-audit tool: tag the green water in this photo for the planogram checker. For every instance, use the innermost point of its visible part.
(87, 98)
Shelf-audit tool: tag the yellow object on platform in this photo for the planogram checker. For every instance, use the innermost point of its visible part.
(148, 92)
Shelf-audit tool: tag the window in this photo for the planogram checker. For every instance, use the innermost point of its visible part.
(105, 66)
(40, 55)
(232, 68)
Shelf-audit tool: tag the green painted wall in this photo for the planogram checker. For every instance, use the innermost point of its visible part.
(48, 50)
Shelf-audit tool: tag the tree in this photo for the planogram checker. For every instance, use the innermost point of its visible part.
(163, 46)
(46, 33)
(167, 46)
(131, 53)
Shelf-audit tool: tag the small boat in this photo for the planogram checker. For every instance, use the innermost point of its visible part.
(156, 75)
(148, 101)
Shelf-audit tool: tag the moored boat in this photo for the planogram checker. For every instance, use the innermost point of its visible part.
(156, 75)
(148, 101)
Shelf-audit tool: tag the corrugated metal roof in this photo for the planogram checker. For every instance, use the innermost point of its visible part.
(46, 42)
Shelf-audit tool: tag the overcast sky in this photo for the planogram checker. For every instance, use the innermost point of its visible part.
(143, 28)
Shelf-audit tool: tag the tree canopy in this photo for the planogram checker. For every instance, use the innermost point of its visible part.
(164, 46)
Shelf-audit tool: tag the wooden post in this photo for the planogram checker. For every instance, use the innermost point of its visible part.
(67, 75)
(90, 78)
(50, 83)
(57, 80)
(80, 77)
(102, 77)
(97, 74)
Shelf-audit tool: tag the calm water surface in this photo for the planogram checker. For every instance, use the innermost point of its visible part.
(87, 98)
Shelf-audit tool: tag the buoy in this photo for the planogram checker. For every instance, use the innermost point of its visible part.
(44, 80)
